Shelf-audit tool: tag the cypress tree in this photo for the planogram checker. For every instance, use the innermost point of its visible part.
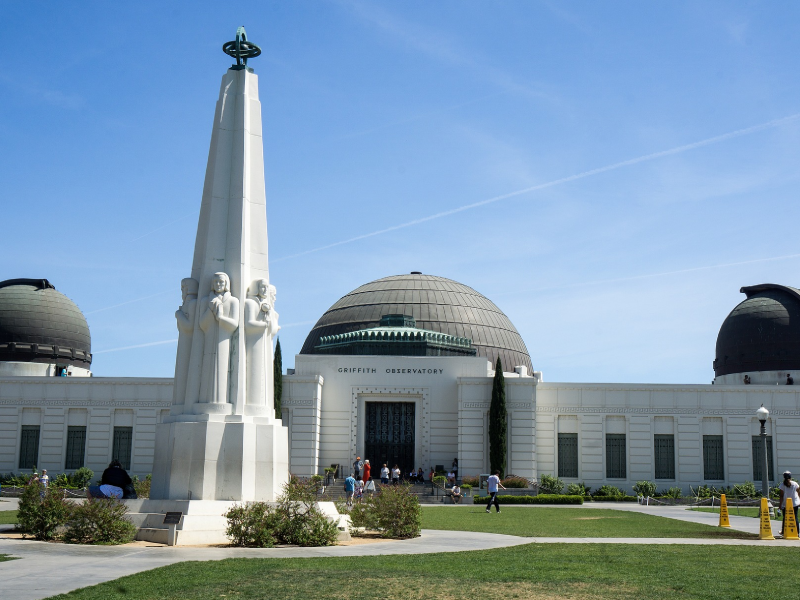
(497, 422)
(277, 371)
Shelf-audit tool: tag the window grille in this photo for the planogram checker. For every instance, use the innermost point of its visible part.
(758, 458)
(29, 447)
(615, 456)
(664, 453)
(123, 441)
(76, 447)
(567, 454)
(713, 459)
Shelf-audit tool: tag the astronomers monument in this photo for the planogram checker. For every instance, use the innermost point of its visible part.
(221, 440)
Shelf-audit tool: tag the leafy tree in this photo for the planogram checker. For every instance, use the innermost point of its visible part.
(497, 422)
(277, 370)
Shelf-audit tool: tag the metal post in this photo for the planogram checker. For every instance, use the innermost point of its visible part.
(764, 463)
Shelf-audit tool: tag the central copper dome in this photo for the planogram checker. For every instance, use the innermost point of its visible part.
(437, 304)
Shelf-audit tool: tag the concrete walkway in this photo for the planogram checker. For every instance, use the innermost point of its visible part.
(47, 569)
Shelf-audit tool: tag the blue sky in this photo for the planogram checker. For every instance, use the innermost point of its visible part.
(378, 115)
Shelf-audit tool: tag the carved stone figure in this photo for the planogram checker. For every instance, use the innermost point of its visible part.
(219, 319)
(185, 321)
(261, 323)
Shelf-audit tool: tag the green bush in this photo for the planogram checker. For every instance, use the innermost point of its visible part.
(578, 489)
(550, 484)
(80, 478)
(397, 512)
(142, 486)
(674, 493)
(470, 480)
(614, 499)
(540, 499)
(645, 488)
(746, 490)
(514, 482)
(440, 480)
(99, 521)
(608, 491)
(465, 487)
(42, 512)
(295, 520)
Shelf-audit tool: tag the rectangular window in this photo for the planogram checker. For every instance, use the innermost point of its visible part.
(713, 460)
(76, 447)
(29, 447)
(615, 456)
(758, 458)
(567, 454)
(664, 453)
(123, 441)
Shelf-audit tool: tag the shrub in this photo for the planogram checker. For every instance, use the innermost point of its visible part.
(645, 488)
(300, 521)
(514, 482)
(41, 512)
(540, 499)
(746, 490)
(465, 487)
(99, 521)
(578, 489)
(608, 491)
(614, 498)
(361, 515)
(397, 512)
(470, 480)
(440, 480)
(673, 492)
(252, 525)
(550, 484)
(142, 486)
(80, 478)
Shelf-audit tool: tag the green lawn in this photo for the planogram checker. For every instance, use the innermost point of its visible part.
(543, 572)
(5, 557)
(568, 522)
(744, 511)
(8, 516)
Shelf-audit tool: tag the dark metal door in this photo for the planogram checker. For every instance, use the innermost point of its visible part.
(390, 436)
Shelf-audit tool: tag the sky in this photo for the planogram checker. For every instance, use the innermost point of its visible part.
(609, 174)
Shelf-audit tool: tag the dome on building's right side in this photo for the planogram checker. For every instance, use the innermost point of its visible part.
(762, 333)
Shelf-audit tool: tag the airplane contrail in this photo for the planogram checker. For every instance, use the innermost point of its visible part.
(555, 182)
(175, 341)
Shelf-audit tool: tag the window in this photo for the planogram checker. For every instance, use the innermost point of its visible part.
(713, 462)
(664, 453)
(123, 440)
(29, 447)
(567, 454)
(76, 447)
(758, 458)
(615, 456)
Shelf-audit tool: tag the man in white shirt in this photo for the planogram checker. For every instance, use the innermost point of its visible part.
(789, 489)
(492, 484)
(456, 494)
(44, 478)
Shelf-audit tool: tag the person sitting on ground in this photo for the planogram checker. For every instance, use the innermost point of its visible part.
(112, 483)
(456, 494)
(420, 475)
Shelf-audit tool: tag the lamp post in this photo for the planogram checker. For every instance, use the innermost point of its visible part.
(762, 414)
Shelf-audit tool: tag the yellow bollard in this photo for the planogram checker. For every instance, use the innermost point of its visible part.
(723, 512)
(765, 532)
(789, 522)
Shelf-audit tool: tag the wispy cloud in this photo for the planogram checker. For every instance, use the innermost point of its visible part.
(97, 310)
(605, 169)
(147, 345)
(44, 94)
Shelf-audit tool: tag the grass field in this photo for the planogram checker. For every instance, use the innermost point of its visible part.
(8, 516)
(744, 511)
(568, 522)
(543, 572)
(5, 557)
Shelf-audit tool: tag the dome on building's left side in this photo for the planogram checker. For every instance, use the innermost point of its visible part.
(40, 325)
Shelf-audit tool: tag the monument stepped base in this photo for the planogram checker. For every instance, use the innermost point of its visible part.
(202, 522)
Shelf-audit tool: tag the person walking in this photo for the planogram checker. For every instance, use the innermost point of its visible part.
(396, 475)
(349, 489)
(44, 478)
(788, 489)
(493, 483)
(367, 471)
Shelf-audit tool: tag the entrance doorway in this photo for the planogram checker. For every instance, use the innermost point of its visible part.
(389, 435)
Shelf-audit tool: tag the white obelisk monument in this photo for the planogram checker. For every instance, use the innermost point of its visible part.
(222, 440)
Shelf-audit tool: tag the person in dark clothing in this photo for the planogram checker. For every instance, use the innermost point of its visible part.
(789, 379)
(112, 484)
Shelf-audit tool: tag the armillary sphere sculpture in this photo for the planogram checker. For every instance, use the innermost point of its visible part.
(241, 49)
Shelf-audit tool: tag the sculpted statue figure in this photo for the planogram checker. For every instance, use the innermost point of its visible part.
(219, 319)
(261, 323)
(185, 318)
